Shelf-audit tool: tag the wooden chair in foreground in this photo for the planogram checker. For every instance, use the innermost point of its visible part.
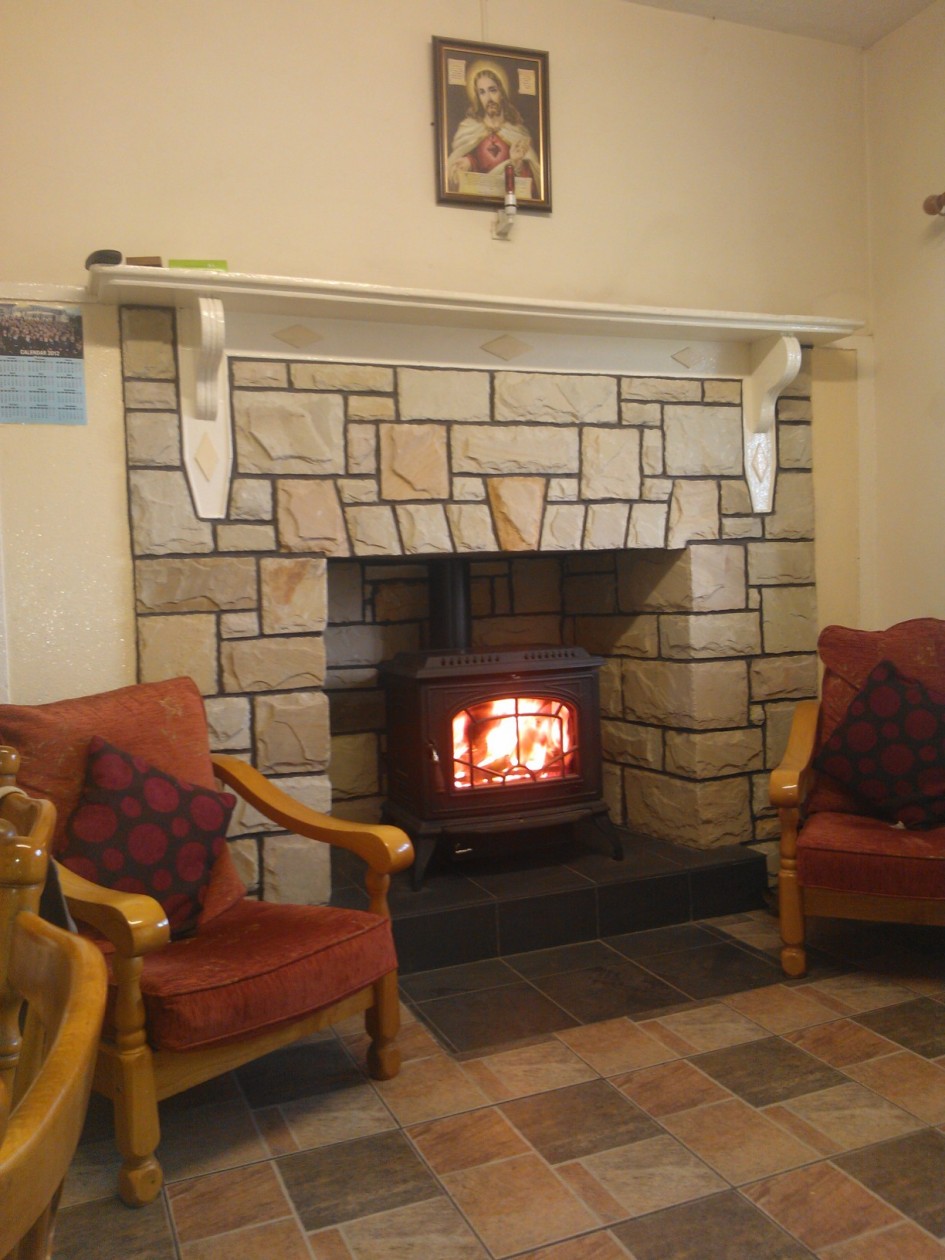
(860, 790)
(45, 1072)
(244, 977)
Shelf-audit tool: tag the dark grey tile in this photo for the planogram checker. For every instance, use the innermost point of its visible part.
(908, 1172)
(644, 903)
(550, 962)
(609, 991)
(564, 1124)
(446, 938)
(540, 922)
(918, 1025)
(339, 1183)
(731, 886)
(465, 978)
(665, 940)
(715, 970)
(528, 880)
(768, 1071)
(494, 1017)
(107, 1230)
(440, 891)
(736, 1228)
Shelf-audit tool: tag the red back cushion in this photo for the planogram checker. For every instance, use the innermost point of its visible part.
(916, 648)
(162, 722)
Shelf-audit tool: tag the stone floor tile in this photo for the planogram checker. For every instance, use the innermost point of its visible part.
(841, 1042)
(780, 1009)
(670, 1087)
(708, 1026)
(277, 1238)
(820, 1205)
(615, 1045)
(567, 1124)
(297, 1071)
(427, 1088)
(226, 1201)
(467, 1140)
(608, 991)
(737, 1229)
(906, 1080)
(738, 1141)
(601, 1245)
(918, 1026)
(855, 992)
(228, 1139)
(492, 1017)
(518, 1203)
(528, 1070)
(339, 1116)
(847, 1116)
(909, 1173)
(714, 970)
(107, 1230)
(433, 1230)
(899, 1242)
(767, 1071)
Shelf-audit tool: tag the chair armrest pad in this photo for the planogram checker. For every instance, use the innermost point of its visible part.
(134, 923)
(386, 849)
(791, 780)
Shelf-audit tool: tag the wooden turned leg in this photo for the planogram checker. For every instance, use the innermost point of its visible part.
(382, 1022)
(134, 1097)
(791, 916)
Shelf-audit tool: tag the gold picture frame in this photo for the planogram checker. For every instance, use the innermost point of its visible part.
(491, 111)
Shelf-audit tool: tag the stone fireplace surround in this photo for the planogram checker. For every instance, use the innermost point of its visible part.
(599, 508)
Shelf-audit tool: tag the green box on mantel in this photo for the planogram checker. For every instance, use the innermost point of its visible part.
(199, 264)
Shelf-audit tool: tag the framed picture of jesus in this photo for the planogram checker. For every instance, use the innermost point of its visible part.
(492, 129)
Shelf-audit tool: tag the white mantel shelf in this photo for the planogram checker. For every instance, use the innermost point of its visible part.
(212, 306)
(331, 299)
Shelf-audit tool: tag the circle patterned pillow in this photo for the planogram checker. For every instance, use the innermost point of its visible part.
(137, 829)
(889, 749)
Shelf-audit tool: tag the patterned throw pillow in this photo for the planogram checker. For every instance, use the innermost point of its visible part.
(889, 749)
(137, 829)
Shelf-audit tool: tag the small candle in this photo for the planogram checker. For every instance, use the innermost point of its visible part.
(510, 201)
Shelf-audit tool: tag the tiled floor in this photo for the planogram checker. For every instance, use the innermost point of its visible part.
(661, 1095)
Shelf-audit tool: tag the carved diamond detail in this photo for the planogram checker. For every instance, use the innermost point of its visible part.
(506, 347)
(297, 335)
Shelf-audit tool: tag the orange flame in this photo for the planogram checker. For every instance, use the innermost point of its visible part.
(517, 739)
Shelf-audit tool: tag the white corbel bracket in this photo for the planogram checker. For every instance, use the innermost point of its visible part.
(205, 413)
(774, 363)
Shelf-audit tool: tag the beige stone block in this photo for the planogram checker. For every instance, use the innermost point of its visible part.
(401, 601)
(310, 517)
(355, 647)
(153, 439)
(373, 530)
(789, 618)
(162, 515)
(701, 813)
(713, 754)
(361, 377)
(783, 677)
(150, 396)
(736, 501)
(795, 446)
(197, 584)
(699, 579)
(367, 809)
(228, 722)
(276, 664)
(516, 504)
(605, 528)
(358, 489)
(648, 525)
(793, 515)
(651, 454)
(296, 871)
(515, 449)
(285, 432)
(549, 398)
(778, 719)
(293, 595)
(619, 636)
(612, 791)
(656, 489)
(741, 527)
(370, 408)
(610, 677)
(250, 499)
(795, 409)
(723, 392)
(693, 694)
(361, 442)
(469, 489)
(703, 635)
(355, 765)
(780, 563)
(245, 856)
(660, 389)
(517, 632)
(563, 527)
(536, 585)
(646, 414)
(471, 527)
(628, 744)
(246, 538)
(147, 336)
(703, 441)
(292, 733)
(414, 461)
(424, 528)
(259, 373)
(171, 646)
(693, 512)
(590, 590)
(313, 790)
(241, 625)
(443, 394)
(761, 795)
(610, 463)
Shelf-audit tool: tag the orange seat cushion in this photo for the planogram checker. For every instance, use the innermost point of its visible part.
(858, 854)
(259, 965)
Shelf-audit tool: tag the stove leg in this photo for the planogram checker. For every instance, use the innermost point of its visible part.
(600, 834)
(424, 848)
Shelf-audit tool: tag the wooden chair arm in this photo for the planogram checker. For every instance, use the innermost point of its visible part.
(386, 849)
(792, 779)
(134, 923)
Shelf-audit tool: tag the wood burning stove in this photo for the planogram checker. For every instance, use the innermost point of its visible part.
(482, 743)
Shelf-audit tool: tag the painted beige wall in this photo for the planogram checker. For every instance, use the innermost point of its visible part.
(695, 163)
(906, 74)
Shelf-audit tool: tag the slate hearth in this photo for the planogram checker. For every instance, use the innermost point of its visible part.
(488, 908)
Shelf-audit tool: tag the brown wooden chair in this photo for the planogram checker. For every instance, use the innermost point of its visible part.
(869, 844)
(45, 1069)
(253, 976)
